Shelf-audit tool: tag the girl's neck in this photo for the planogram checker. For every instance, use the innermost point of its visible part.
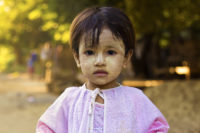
(92, 86)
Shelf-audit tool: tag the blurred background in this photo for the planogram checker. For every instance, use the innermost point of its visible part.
(36, 63)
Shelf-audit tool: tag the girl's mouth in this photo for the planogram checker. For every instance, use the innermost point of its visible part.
(100, 73)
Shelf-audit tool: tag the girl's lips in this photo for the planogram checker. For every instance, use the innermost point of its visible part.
(100, 73)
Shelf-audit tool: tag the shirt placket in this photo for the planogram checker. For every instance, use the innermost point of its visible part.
(91, 108)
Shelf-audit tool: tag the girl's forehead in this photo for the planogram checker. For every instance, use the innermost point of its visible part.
(106, 39)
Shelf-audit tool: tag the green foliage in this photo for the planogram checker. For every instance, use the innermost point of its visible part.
(157, 15)
(6, 57)
(26, 24)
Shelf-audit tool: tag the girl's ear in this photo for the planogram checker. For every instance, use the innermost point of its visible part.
(127, 58)
(76, 57)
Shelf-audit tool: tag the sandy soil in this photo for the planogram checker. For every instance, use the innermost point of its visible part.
(22, 101)
(179, 101)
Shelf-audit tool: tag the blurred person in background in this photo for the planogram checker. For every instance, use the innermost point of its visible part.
(45, 56)
(31, 64)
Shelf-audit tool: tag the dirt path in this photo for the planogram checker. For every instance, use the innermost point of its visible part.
(22, 101)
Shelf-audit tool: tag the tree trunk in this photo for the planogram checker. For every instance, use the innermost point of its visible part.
(19, 54)
(142, 64)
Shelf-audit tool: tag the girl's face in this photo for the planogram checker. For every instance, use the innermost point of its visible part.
(101, 65)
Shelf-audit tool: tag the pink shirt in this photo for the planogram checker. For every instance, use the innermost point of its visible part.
(98, 121)
(126, 110)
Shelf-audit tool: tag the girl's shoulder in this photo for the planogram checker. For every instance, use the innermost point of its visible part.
(134, 92)
(57, 112)
(131, 90)
(71, 91)
(140, 98)
(67, 96)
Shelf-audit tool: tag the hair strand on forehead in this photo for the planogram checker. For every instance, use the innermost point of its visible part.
(89, 24)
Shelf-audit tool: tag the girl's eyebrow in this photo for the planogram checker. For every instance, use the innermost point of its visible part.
(112, 46)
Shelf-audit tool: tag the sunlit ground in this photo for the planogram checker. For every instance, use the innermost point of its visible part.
(22, 101)
(179, 101)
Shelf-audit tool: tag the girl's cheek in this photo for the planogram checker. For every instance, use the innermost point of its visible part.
(115, 65)
(116, 61)
(87, 62)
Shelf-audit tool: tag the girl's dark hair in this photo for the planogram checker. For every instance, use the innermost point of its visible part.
(91, 21)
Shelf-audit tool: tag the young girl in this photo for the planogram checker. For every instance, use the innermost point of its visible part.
(102, 40)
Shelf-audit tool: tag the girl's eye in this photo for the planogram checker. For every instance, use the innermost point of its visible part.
(89, 52)
(111, 52)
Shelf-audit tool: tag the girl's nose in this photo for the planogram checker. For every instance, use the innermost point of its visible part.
(100, 60)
